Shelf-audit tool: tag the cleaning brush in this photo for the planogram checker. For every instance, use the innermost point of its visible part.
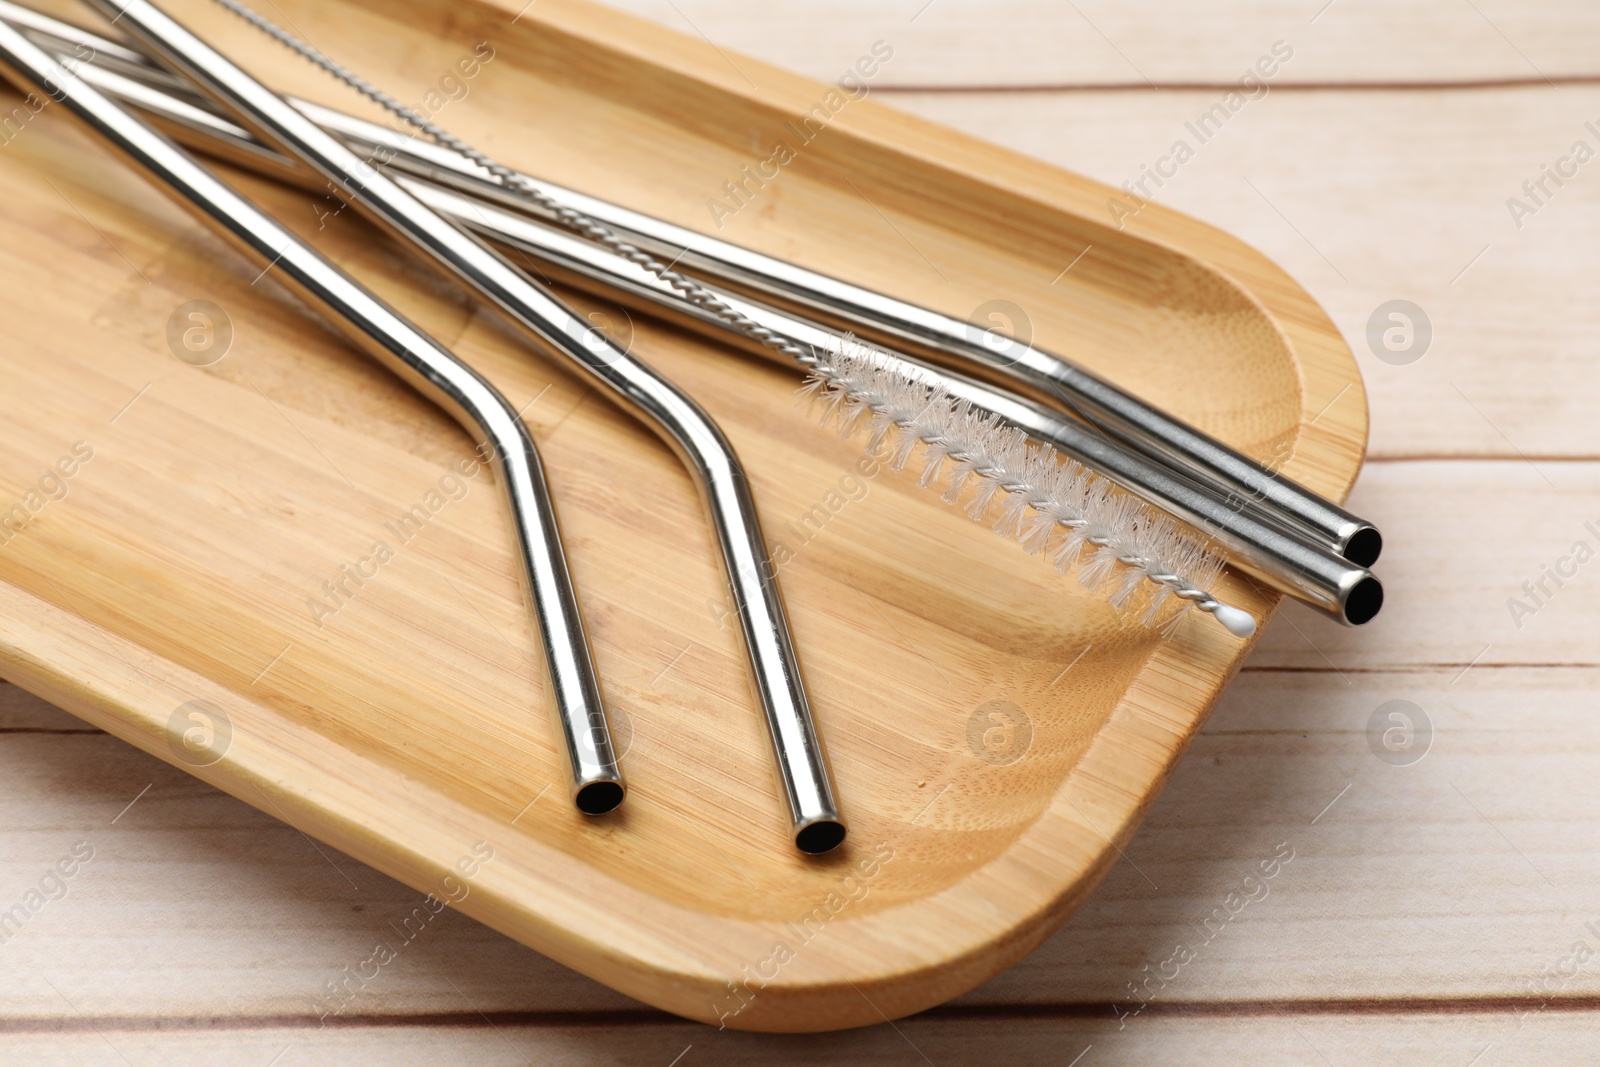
(1116, 544)
(1129, 539)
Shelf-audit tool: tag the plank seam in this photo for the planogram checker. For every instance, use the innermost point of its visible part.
(1417, 1006)
(1454, 85)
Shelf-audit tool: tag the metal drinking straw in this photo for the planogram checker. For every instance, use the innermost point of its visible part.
(595, 780)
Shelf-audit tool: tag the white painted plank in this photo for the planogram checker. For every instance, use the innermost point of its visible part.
(1466, 542)
(1458, 877)
(1099, 42)
(1366, 197)
(1266, 1037)
(194, 902)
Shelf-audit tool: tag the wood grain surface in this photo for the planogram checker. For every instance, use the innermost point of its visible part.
(1430, 912)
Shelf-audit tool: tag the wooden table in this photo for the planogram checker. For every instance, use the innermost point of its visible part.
(1442, 902)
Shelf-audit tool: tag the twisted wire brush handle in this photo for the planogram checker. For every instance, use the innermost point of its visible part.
(1316, 575)
(595, 780)
(815, 822)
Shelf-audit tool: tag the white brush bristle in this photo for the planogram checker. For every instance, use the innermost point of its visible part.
(1026, 489)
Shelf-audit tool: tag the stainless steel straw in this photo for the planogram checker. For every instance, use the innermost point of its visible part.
(899, 324)
(1053, 378)
(1349, 593)
(815, 819)
(595, 780)
(1295, 565)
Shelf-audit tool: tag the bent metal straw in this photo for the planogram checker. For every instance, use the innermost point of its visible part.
(815, 822)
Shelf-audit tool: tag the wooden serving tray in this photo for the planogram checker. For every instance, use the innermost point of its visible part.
(995, 732)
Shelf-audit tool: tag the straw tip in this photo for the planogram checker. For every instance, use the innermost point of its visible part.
(1363, 601)
(1363, 547)
(598, 798)
(819, 837)
(1236, 621)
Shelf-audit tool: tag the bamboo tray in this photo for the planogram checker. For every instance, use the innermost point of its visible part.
(995, 732)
